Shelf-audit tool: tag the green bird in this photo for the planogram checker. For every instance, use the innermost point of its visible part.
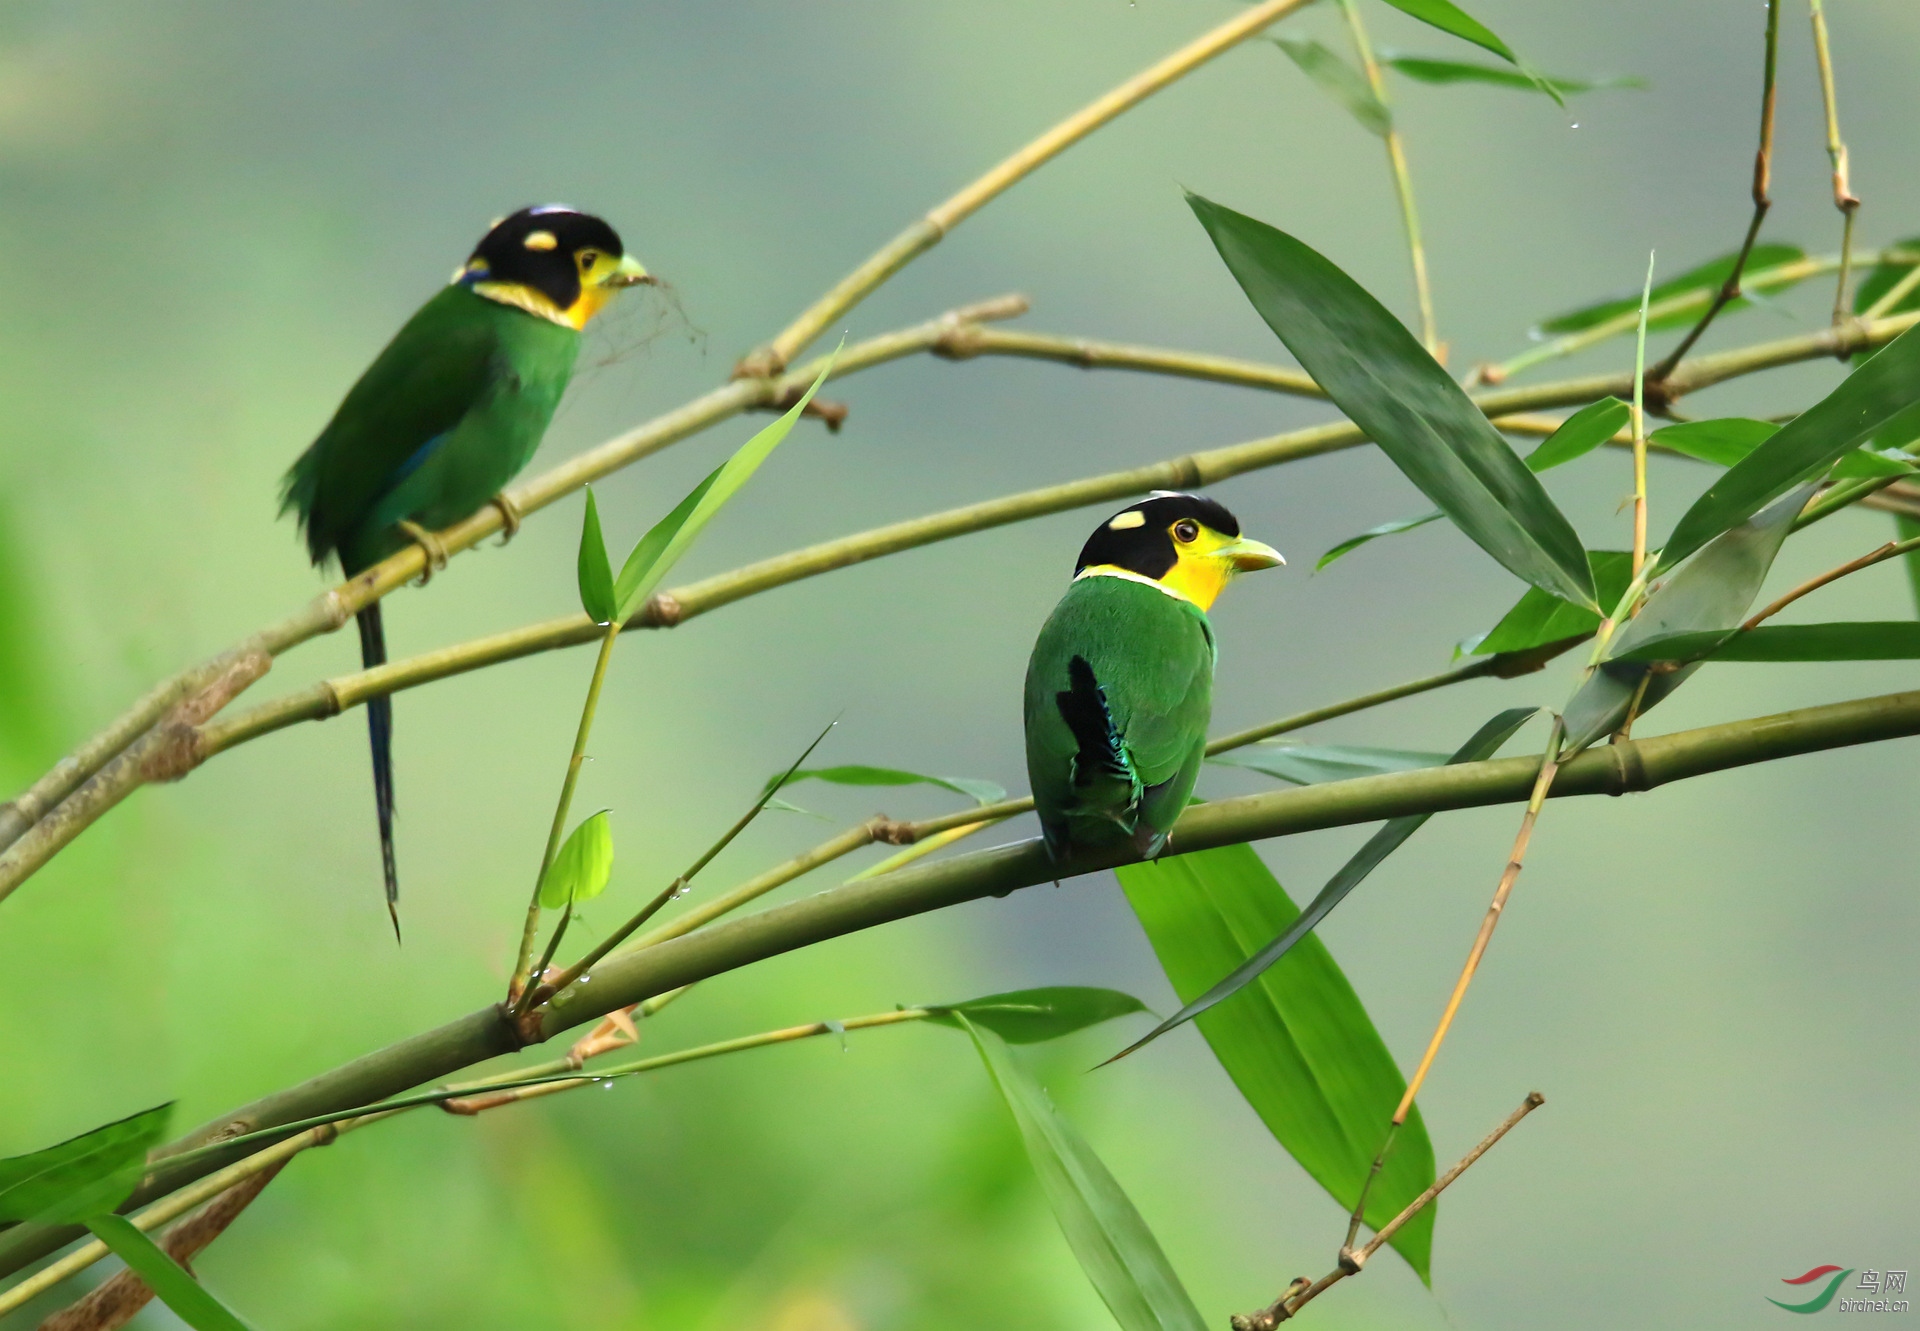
(447, 415)
(1120, 684)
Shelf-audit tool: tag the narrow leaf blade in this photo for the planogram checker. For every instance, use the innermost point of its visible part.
(1868, 640)
(1341, 82)
(1579, 434)
(1538, 618)
(1028, 1016)
(595, 574)
(855, 774)
(1311, 764)
(187, 1297)
(627, 592)
(1384, 380)
(1426, 69)
(1869, 399)
(84, 1175)
(1393, 528)
(1706, 277)
(1450, 18)
(1297, 1042)
(1122, 1259)
(1882, 277)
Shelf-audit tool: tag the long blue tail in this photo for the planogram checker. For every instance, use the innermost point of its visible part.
(373, 652)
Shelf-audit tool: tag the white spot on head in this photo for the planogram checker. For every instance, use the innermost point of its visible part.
(546, 208)
(540, 240)
(1133, 517)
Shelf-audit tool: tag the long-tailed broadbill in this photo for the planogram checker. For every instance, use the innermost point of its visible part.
(447, 415)
(1120, 684)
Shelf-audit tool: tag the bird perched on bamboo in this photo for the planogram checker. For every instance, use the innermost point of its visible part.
(447, 415)
(1120, 684)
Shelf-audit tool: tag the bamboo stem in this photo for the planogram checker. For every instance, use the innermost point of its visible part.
(928, 231)
(1402, 179)
(1640, 429)
(1843, 196)
(518, 986)
(1762, 198)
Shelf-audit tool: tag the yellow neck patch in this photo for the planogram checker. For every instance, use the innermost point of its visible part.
(1171, 585)
(521, 297)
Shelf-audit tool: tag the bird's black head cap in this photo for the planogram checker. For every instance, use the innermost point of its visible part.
(1140, 539)
(540, 248)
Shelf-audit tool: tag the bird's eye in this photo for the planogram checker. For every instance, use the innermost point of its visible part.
(588, 258)
(1186, 530)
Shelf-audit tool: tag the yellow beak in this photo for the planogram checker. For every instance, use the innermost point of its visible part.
(628, 273)
(1246, 555)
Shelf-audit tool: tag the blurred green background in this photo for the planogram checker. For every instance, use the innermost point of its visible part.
(212, 215)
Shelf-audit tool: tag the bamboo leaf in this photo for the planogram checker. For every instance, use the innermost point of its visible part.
(581, 870)
(595, 573)
(1881, 278)
(662, 547)
(187, 1297)
(1341, 82)
(1710, 592)
(1450, 18)
(1122, 1259)
(1706, 277)
(84, 1175)
(1578, 435)
(1310, 764)
(1028, 1016)
(1871, 640)
(1538, 619)
(1484, 743)
(1384, 380)
(1429, 70)
(1725, 442)
(1880, 395)
(980, 792)
(1297, 1041)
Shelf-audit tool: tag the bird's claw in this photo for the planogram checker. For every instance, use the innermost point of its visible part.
(511, 515)
(434, 549)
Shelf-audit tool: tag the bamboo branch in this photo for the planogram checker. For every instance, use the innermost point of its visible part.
(1352, 1261)
(1843, 196)
(1402, 179)
(632, 976)
(1888, 551)
(1762, 200)
(924, 234)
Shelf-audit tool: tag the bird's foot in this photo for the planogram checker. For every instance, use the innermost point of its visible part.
(435, 550)
(511, 515)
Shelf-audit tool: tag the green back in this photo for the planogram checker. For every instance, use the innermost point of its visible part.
(475, 379)
(1153, 654)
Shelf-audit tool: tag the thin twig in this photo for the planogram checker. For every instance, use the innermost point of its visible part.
(1402, 178)
(924, 234)
(1762, 200)
(1888, 551)
(1352, 1260)
(517, 986)
(1640, 427)
(1843, 196)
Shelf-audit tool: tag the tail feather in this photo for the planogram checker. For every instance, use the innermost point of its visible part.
(373, 652)
(1083, 706)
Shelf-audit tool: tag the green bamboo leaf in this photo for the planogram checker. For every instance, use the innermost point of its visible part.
(187, 1297)
(581, 870)
(1906, 528)
(980, 792)
(1538, 619)
(1341, 82)
(595, 573)
(662, 547)
(1122, 1259)
(1450, 18)
(1429, 70)
(1709, 593)
(1881, 278)
(1393, 528)
(1297, 1041)
(1028, 1016)
(1725, 442)
(30, 720)
(1483, 744)
(1384, 380)
(1310, 764)
(1869, 640)
(1883, 394)
(1578, 435)
(1706, 277)
(83, 1175)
